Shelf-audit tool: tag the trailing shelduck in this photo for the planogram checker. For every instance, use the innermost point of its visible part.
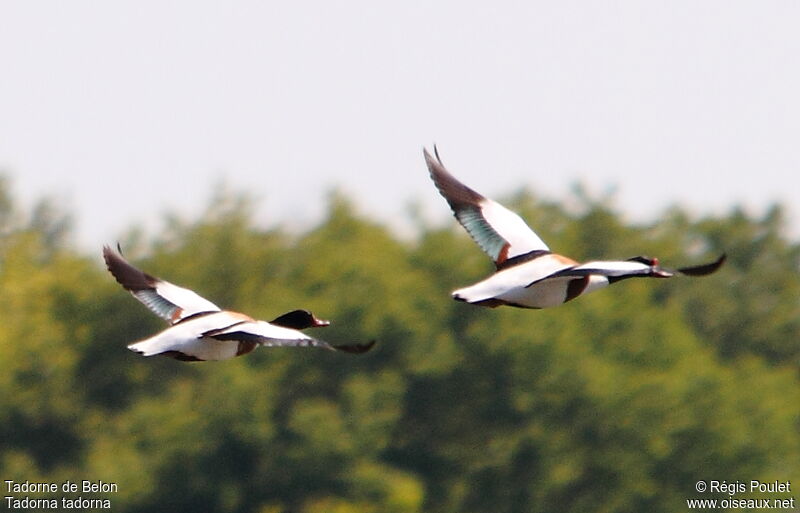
(200, 330)
(528, 274)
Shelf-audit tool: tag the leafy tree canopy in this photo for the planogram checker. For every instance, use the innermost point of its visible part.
(617, 402)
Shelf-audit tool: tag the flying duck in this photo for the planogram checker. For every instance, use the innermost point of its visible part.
(528, 274)
(200, 330)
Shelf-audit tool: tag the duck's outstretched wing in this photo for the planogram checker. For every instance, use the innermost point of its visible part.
(168, 301)
(501, 233)
(270, 335)
(608, 268)
(637, 266)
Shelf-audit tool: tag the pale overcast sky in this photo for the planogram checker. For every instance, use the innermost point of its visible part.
(128, 109)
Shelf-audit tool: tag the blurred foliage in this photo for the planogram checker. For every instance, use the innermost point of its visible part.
(618, 402)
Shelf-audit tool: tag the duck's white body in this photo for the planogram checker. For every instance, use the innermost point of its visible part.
(508, 287)
(528, 274)
(186, 338)
(547, 280)
(200, 330)
(220, 336)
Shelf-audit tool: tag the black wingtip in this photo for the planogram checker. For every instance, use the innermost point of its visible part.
(355, 348)
(108, 250)
(430, 158)
(704, 269)
(131, 278)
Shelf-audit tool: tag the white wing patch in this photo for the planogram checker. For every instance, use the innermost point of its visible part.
(511, 228)
(187, 302)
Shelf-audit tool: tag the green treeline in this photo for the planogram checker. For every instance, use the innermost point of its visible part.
(618, 402)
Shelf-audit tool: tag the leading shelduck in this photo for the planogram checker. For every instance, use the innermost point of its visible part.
(200, 330)
(528, 274)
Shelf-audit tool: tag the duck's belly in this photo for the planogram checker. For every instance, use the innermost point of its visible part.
(550, 293)
(540, 295)
(544, 294)
(209, 349)
(188, 348)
